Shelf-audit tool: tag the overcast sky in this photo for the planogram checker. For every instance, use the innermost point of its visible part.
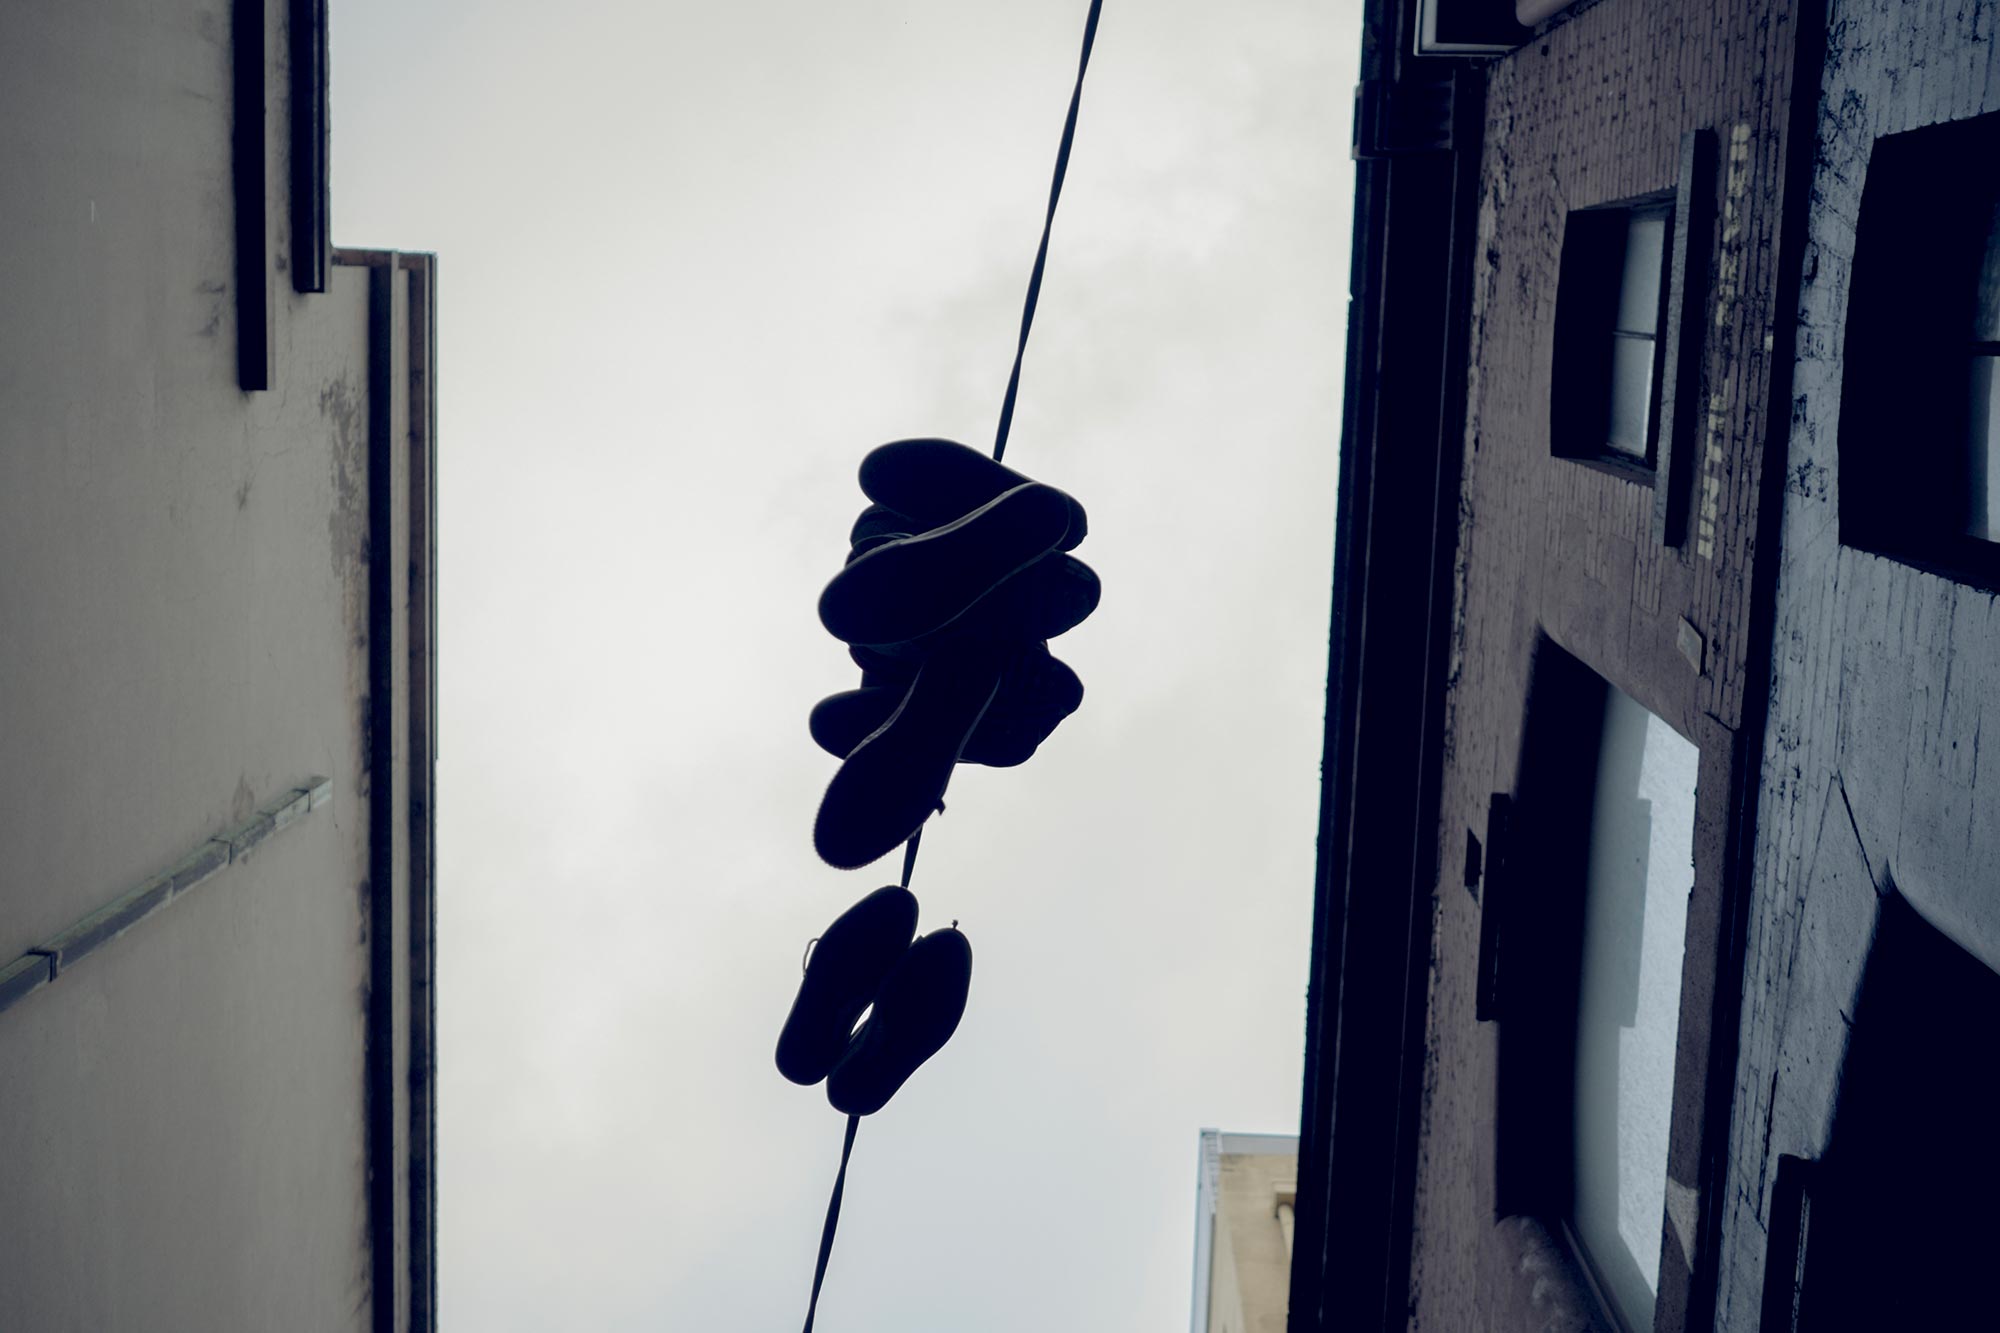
(695, 261)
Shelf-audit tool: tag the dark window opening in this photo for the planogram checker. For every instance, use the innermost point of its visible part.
(1920, 395)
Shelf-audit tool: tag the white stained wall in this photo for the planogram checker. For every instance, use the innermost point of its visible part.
(184, 596)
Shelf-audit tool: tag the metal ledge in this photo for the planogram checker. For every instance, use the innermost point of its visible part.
(55, 956)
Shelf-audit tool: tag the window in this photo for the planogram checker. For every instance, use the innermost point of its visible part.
(1920, 394)
(1467, 27)
(1609, 303)
(1598, 858)
(1628, 1006)
(1983, 425)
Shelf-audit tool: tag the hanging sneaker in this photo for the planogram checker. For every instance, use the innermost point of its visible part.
(1037, 691)
(890, 783)
(936, 481)
(916, 1011)
(910, 587)
(843, 973)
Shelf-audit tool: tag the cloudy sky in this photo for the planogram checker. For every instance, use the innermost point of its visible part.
(695, 261)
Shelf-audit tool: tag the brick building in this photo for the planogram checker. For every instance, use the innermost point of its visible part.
(1655, 949)
(217, 612)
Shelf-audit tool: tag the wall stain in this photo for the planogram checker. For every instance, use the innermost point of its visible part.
(343, 405)
(216, 292)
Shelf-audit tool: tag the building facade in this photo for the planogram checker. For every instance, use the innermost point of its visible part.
(1647, 963)
(217, 692)
(1243, 1223)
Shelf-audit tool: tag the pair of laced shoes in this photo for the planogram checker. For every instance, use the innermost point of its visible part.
(872, 956)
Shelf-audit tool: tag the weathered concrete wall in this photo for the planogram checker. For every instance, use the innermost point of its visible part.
(184, 591)
(1883, 676)
(1592, 112)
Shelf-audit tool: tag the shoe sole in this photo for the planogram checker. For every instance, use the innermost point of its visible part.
(917, 1010)
(843, 974)
(910, 587)
(934, 481)
(1048, 599)
(891, 782)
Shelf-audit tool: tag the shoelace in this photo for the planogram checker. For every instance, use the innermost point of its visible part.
(999, 451)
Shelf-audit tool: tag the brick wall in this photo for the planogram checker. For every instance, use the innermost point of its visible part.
(1590, 112)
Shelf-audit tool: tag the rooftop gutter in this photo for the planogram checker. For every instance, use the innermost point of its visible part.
(1416, 173)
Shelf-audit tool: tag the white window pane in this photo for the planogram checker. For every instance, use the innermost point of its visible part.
(1639, 287)
(1628, 1019)
(1986, 319)
(1983, 457)
(1631, 394)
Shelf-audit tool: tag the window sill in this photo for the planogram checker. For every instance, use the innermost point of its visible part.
(1626, 467)
(1968, 561)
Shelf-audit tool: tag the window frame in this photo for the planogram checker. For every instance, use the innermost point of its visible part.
(1589, 288)
(1685, 287)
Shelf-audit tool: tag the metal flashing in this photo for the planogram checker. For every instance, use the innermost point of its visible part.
(106, 924)
(49, 960)
(24, 976)
(199, 865)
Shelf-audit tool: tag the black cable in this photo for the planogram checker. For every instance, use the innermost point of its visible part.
(832, 1219)
(999, 450)
(1034, 295)
(1042, 252)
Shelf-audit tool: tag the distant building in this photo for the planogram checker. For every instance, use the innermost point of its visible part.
(217, 692)
(1656, 961)
(1243, 1231)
